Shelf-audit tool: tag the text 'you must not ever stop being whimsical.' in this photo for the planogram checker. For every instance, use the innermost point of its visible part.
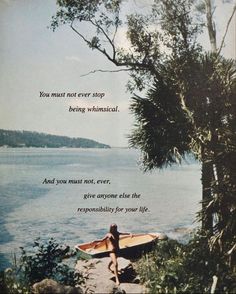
(82, 102)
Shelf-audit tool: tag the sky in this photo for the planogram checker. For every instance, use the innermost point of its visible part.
(35, 59)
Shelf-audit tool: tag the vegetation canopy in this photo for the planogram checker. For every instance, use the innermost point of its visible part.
(34, 139)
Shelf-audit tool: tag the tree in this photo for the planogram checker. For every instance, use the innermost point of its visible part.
(189, 105)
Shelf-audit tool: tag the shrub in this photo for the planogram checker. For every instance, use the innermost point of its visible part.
(45, 260)
(176, 268)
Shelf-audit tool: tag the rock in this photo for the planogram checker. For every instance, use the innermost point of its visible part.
(48, 286)
(98, 279)
(131, 288)
(97, 264)
(161, 236)
(106, 287)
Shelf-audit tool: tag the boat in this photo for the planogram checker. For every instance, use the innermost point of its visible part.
(131, 246)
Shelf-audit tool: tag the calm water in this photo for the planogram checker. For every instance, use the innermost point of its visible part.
(29, 208)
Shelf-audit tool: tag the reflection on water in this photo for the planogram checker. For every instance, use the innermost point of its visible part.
(30, 209)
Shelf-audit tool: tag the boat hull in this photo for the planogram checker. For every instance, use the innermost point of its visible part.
(130, 247)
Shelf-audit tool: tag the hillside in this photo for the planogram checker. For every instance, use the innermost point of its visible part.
(34, 139)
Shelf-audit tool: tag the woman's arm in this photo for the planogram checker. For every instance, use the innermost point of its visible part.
(130, 234)
(100, 240)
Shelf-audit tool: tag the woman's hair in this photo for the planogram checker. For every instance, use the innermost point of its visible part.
(113, 228)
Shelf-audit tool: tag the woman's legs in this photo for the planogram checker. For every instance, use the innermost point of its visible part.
(109, 266)
(114, 261)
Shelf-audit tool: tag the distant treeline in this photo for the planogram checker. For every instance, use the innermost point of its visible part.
(34, 139)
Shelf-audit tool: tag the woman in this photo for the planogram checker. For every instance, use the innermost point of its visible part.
(113, 236)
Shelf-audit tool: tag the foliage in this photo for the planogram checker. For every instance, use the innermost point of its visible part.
(195, 112)
(46, 261)
(163, 131)
(175, 268)
(34, 139)
(218, 120)
(148, 35)
(10, 284)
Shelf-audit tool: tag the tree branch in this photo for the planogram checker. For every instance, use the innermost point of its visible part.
(81, 36)
(226, 30)
(114, 35)
(105, 71)
(131, 65)
(210, 25)
(106, 35)
(103, 51)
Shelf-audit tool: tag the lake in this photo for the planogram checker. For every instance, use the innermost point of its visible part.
(74, 195)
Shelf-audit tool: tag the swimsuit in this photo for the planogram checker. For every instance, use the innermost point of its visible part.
(115, 245)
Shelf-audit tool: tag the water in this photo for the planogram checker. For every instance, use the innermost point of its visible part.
(29, 208)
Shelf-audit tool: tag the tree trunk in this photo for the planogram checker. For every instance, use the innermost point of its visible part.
(207, 166)
(211, 25)
(207, 176)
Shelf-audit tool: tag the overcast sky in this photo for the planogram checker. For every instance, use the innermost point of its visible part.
(34, 59)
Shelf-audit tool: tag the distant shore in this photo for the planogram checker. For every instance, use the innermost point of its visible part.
(25, 139)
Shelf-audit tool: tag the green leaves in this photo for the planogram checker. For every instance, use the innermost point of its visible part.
(95, 42)
(45, 261)
(175, 268)
(163, 129)
(83, 10)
